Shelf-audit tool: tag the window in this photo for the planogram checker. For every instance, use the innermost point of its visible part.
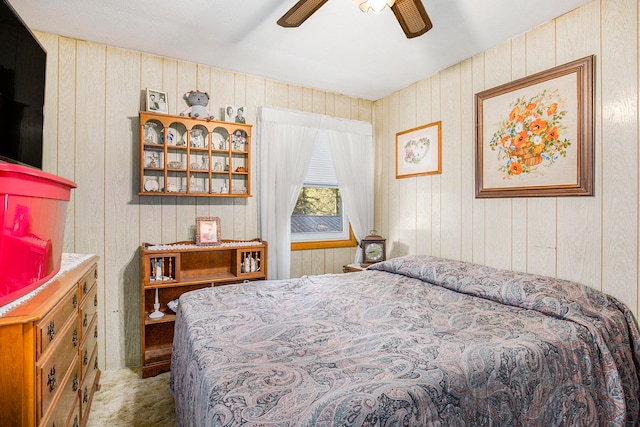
(319, 220)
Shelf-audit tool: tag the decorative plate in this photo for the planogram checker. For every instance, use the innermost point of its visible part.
(151, 185)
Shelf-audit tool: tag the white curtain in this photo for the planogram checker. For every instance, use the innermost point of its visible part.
(285, 144)
(286, 140)
(352, 154)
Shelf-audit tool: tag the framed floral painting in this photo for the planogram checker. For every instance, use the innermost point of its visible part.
(534, 136)
(418, 151)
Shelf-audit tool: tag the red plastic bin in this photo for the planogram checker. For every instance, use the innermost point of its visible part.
(33, 212)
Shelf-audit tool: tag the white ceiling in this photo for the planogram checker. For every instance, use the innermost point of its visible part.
(339, 49)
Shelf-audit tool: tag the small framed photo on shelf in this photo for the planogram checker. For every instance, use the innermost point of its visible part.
(234, 114)
(208, 231)
(157, 101)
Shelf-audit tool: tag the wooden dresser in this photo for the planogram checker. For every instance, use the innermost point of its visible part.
(49, 352)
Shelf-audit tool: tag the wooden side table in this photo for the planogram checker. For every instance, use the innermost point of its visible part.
(352, 268)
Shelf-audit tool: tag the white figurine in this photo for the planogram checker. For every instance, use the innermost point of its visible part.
(156, 308)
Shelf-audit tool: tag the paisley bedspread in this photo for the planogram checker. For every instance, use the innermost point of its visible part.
(412, 341)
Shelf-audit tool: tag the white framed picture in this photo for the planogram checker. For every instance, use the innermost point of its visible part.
(157, 101)
(234, 114)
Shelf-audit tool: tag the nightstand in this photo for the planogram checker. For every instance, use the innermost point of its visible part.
(352, 268)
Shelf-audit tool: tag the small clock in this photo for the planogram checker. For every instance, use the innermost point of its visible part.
(373, 249)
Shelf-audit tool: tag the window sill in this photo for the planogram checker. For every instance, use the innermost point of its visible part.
(325, 244)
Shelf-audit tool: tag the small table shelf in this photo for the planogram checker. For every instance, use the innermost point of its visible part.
(350, 268)
(180, 267)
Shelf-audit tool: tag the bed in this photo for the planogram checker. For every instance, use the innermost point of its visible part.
(415, 341)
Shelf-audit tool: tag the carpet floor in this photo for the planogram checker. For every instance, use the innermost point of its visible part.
(125, 399)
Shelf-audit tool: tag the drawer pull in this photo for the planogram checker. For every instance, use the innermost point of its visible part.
(95, 363)
(84, 287)
(95, 332)
(74, 301)
(51, 331)
(75, 382)
(95, 300)
(95, 274)
(85, 357)
(85, 395)
(75, 421)
(51, 379)
(74, 338)
(84, 321)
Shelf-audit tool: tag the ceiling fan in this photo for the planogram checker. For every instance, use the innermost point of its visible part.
(410, 14)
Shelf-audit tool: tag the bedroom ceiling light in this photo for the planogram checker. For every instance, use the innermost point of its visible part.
(373, 5)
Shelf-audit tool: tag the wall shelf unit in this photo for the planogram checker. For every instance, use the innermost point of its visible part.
(173, 269)
(184, 156)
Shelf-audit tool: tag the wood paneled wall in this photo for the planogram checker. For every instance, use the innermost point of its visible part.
(94, 92)
(93, 95)
(591, 240)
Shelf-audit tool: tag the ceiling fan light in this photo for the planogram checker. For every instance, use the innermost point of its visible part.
(373, 5)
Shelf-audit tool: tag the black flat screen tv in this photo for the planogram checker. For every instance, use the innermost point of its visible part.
(22, 79)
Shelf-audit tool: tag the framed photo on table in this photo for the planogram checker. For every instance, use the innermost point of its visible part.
(419, 151)
(208, 231)
(534, 136)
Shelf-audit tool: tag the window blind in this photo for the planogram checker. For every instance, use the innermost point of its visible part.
(321, 171)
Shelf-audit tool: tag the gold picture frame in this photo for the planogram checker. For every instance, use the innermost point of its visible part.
(419, 151)
(208, 231)
(534, 136)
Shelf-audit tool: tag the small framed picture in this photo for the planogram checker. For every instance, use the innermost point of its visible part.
(208, 231)
(157, 101)
(234, 114)
(418, 151)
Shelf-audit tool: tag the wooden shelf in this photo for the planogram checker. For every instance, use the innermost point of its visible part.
(168, 317)
(159, 354)
(202, 278)
(186, 267)
(184, 156)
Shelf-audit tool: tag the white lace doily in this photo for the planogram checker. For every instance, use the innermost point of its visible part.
(194, 246)
(68, 262)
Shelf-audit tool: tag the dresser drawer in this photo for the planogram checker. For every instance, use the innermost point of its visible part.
(88, 310)
(54, 365)
(74, 419)
(87, 282)
(87, 349)
(89, 384)
(59, 418)
(68, 391)
(49, 327)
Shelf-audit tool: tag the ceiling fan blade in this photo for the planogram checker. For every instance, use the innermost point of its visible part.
(412, 17)
(300, 12)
